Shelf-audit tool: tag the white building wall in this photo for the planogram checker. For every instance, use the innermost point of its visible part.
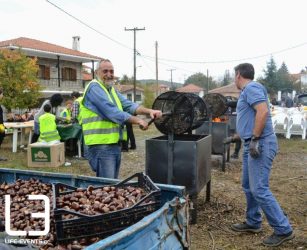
(304, 80)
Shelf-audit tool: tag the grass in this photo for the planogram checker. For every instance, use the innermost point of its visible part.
(288, 183)
(79, 167)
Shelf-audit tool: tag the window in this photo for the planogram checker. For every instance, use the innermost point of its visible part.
(43, 72)
(138, 98)
(69, 74)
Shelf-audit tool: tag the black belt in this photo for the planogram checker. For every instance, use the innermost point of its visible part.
(111, 144)
(249, 139)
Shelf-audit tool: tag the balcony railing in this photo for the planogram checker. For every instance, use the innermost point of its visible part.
(54, 84)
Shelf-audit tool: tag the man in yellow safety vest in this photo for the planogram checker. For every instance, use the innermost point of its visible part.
(103, 113)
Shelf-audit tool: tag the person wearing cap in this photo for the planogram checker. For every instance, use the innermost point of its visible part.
(103, 112)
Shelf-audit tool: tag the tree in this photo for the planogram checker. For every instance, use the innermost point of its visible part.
(201, 80)
(284, 78)
(226, 79)
(270, 77)
(149, 95)
(125, 80)
(18, 78)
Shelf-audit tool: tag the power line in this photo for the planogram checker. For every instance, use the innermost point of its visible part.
(180, 61)
(146, 64)
(234, 60)
(171, 66)
(90, 27)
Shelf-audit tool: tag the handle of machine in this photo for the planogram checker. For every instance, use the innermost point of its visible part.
(153, 119)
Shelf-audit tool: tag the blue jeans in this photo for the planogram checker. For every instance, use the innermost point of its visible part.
(255, 183)
(105, 160)
(36, 128)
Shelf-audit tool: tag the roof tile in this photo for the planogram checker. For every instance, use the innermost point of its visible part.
(190, 88)
(29, 43)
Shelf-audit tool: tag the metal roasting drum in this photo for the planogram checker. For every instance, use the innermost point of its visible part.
(217, 104)
(180, 152)
(182, 112)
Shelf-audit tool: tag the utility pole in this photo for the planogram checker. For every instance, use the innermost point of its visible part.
(207, 81)
(157, 80)
(135, 29)
(171, 70)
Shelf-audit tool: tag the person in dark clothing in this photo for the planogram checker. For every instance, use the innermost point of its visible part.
(235, 154)
(2, 129)
(289, 102)
(130, 137)
(232, 111)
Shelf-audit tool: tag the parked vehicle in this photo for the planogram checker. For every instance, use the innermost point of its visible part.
(166, 228)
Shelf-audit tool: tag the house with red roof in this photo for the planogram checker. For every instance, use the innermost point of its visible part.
(228, 90)
(192, 88)
(60, 68)
(127, 91)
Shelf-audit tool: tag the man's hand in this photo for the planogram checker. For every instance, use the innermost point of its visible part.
(143, 124)
(254, 148)
(155, 113)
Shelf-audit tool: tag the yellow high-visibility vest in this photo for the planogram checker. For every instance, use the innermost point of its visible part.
(95, 129)
(66, 113)
(47, 128)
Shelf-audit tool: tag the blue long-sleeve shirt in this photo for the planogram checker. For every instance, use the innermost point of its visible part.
(97, 101)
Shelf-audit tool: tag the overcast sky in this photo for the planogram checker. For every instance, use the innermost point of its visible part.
(190, 31)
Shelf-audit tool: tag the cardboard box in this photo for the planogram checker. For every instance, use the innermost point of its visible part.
(46, 155)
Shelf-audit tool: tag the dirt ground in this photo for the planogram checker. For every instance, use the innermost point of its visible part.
(227, 204)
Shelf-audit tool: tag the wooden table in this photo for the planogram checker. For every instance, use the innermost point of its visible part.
(22, 126)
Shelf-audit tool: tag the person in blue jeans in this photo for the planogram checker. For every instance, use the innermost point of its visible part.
(103, 113)
(254, 127)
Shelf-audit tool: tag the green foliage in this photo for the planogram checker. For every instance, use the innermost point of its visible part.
(227, 79)
(276, 79)
(270, 77)
(149, 96)
(201, 80)
(18, 78)
(125, 80)
(283, 77)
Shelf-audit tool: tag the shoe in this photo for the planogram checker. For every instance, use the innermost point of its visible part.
(243, 227)
(275, 240)
(234, 156)
(124, 149)
(3, 159)
(132, 148)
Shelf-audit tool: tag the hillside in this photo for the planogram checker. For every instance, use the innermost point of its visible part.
(148, 81)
